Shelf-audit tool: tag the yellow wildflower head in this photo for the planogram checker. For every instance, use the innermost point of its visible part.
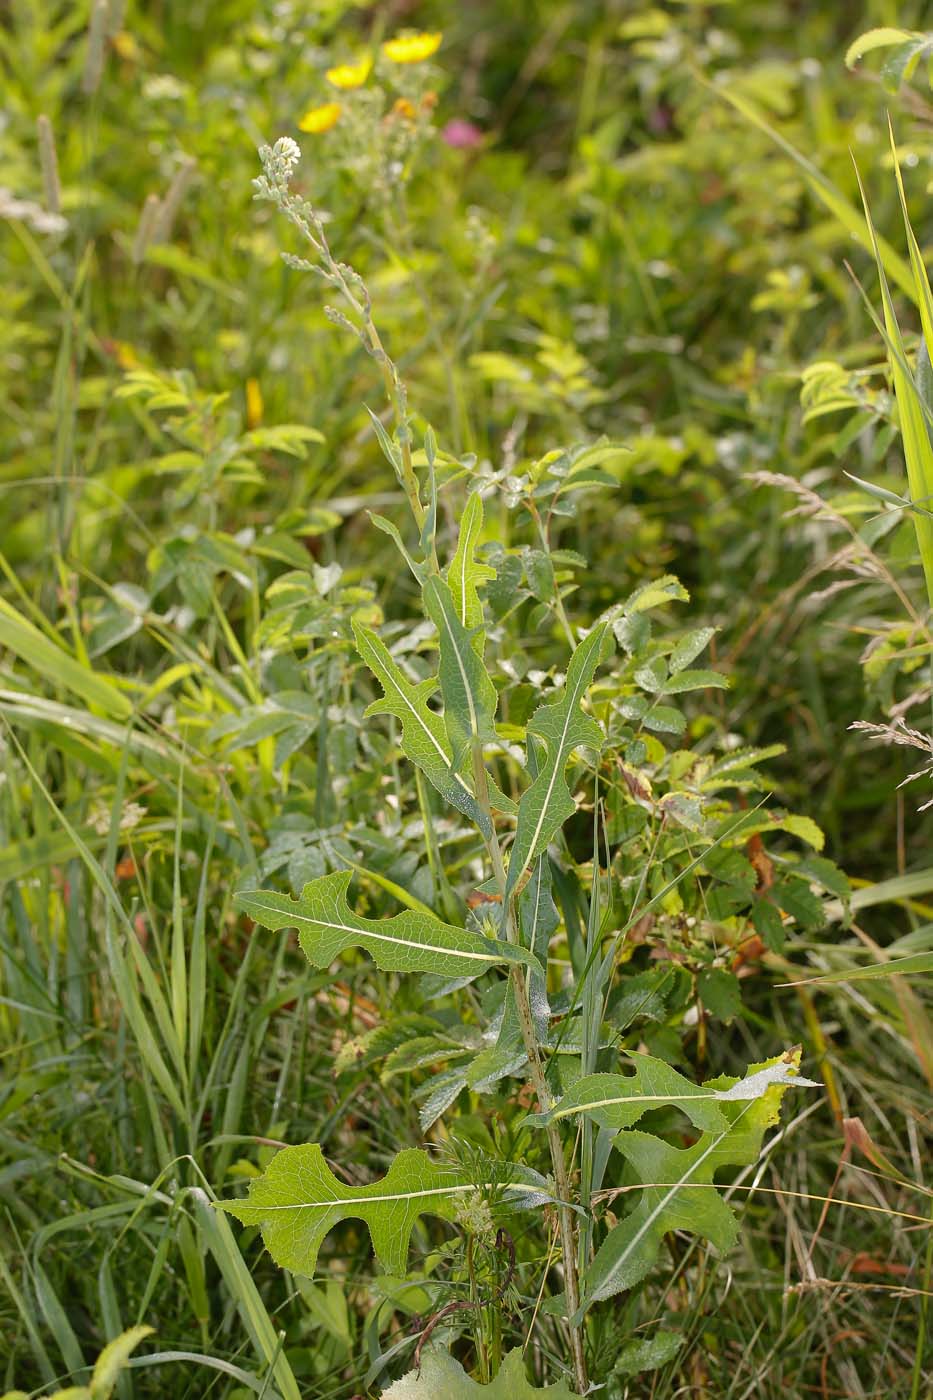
(254, 404)
(403, 108)
(318, 119)
(411, 48)
(349, 75)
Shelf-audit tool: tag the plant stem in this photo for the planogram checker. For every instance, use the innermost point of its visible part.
(539, 1083)
(341, 276)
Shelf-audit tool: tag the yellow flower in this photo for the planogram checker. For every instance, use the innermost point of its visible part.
(349, 75)
(253, 403)
(412, 48)
(403, 108)
(318, 119)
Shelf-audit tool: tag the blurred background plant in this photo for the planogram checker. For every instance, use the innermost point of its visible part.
(579, 220)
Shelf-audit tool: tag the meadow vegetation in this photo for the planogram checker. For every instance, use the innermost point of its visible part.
(466, 706)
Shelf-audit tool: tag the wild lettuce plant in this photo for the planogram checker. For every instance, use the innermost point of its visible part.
(595, 1116)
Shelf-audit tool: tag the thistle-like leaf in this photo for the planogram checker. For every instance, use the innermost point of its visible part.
(407, 942)
(469, 695)
(440, 1377)
(424, 737)
(562, 727)
(466, 574)
(620, 1100)
(678, 1191)
(298, 1200)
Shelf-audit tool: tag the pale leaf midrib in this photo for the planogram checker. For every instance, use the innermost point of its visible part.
(298, 918)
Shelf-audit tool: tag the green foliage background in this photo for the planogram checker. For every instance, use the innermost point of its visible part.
(186, 476)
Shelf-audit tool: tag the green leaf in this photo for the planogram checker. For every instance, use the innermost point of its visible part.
(655, 593)
(664, 719)
(694, 680)
(824, 189)
(805, 828)
(418, 568)
(649, 995)
(538, 919)
(298, 1200)
(648, 1355)
(562, 727)
(409, 942)
(876, 39)
(618, 1101)
(470, 698)
(466, 574)
(719, 992)
(286, 437)
(678, 1191)
(689, 648)
(389, 448)
(440, 1377)
(901, 65)
(797, 899)
(914, 964)
(112, 1360)
(57, 666)
(911, 408)
(424, 737)
(768, 924)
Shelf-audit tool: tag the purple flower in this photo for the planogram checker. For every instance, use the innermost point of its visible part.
(462, 135)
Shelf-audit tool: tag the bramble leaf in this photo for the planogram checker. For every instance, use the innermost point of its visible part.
(407, 942)
(562, 726)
